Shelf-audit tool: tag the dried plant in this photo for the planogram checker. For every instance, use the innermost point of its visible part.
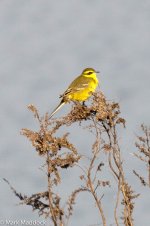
(109, 121)
(102, 118)
(143, 148)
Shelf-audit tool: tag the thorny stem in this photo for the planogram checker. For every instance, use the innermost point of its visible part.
(117, 176)
(52, 214)
(117, 203)
(110, 165)
(109, 156)
(90, 183)
(118, 163)
(116, 150)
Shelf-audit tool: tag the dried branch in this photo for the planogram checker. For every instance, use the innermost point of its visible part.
(143, 147)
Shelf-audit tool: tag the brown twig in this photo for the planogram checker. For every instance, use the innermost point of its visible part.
(143, 147)
(117, 204)
(51, 208)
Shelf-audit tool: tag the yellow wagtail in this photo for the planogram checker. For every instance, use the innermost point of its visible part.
(80, 89)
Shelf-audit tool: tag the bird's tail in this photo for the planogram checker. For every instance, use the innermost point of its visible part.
(56, 109)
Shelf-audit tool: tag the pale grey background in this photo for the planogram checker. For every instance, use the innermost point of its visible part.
(44, 44)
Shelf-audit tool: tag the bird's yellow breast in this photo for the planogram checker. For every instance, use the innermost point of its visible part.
(83, 93)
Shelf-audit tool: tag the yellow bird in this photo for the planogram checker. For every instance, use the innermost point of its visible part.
(80, 89)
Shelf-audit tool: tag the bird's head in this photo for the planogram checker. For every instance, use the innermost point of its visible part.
(89, 72)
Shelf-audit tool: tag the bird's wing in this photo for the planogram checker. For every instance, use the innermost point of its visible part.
(80, 83)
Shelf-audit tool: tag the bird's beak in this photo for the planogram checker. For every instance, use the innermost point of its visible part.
(97, 71)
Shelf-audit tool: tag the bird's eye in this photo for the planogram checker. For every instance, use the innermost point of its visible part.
(89, 73)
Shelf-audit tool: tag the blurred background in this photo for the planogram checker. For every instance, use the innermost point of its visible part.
(44, 45)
